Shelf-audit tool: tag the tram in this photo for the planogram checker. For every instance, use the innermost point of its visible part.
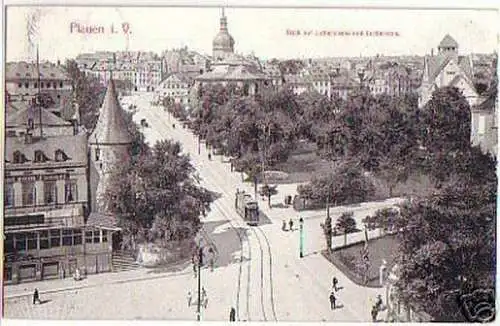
(247, 207)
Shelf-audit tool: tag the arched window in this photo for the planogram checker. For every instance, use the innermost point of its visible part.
(40, 157)
(18, 157)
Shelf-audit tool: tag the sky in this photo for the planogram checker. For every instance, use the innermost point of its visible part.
(263, 31)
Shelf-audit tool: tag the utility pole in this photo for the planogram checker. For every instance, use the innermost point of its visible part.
(200, 263)
(301, 223)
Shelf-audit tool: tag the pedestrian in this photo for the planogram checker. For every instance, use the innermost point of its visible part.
(374, 314)
(36, 297)
(379, 302)
(291, 224)
(194, 264)
(332, 300)
(335, 282)
(232, 314)
(203, 292)
(209, 156)
(190, 298)
(173, 125)
(283, 227)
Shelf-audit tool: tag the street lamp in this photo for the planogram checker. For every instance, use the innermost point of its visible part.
(301, 224)
(200, 263)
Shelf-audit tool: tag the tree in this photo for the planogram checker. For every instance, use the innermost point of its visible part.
(447, 244)
(385, 218)
(156, 197)
(89, 94)
(327, 230)
(268, 191)
(346, 224)
(447, 117)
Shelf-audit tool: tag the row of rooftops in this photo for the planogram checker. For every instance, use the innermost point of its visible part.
(27, 70)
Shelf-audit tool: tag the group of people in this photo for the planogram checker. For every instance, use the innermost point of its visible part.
(333, 298)
(203, 298)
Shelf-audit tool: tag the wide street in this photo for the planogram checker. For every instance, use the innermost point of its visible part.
(258, 269)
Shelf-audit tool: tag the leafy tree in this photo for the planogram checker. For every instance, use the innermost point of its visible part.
(89, 94)
(327, 230)
(346, 224)
(447, 117)
(346, 185)
(268, 191)
(156, 197)
(385, 218)
(447, 244)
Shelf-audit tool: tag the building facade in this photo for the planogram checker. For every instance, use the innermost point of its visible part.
(448, 68)
(55, 86)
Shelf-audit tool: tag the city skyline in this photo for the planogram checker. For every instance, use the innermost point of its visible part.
(58, 27)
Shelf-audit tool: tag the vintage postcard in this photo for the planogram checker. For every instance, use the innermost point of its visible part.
(249, 163)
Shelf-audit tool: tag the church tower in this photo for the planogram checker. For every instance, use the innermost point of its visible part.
(223, 43)
(109, 146)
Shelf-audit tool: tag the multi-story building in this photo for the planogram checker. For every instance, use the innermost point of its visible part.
(50, 188)
(45, 200)
(298, 84)
(176, 86)
(447, 68)
(230, 68)
(343, 85)
(148, 75)
(391, 79)
(22, 84)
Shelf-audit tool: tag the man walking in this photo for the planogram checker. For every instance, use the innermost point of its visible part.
(332, 300)
(190, 298)
(232, 314)
(335, 282)
(36, 297)
(291, 224)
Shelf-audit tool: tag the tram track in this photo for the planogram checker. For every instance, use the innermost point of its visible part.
(223, 211)
(241, 258)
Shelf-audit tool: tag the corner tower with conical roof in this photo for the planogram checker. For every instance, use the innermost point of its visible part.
(109, 146)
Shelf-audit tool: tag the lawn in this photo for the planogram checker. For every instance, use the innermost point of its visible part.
(345, 259)
(303, 164)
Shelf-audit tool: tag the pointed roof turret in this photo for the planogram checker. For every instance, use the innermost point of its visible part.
(111, 127)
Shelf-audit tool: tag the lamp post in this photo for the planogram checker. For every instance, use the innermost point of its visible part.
(301, 224)
(200, 262)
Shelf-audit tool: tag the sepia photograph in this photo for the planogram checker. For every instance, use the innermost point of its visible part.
(249, 163)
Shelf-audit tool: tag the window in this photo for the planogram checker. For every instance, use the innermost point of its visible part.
(97, 154)
(88, 236)
(77, 237)
(44, 240)
(60, 156)
(11, 133)
(55, 238)
(104, 236)
(9, 195)
(20, 242)
(40, 157)
(70, 191)
(61, 84)
(29, 193)
(18, 157)
(20, 85)
(50, 192)
(67, 237)
(41, 85)
(35, 85)
(27, 85)
(32, 241)
(9, 243)
(481, 128)
(97, 236)
(54, 85)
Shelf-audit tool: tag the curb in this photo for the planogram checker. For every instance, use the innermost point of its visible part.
(78, 287)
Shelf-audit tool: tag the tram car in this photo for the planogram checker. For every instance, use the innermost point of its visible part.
(247, 207)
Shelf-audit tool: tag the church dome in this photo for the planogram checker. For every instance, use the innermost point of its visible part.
(223, 41)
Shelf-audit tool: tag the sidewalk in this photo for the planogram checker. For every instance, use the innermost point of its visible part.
(93, 280)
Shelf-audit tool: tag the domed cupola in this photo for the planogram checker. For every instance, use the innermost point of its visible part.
(223, 42)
